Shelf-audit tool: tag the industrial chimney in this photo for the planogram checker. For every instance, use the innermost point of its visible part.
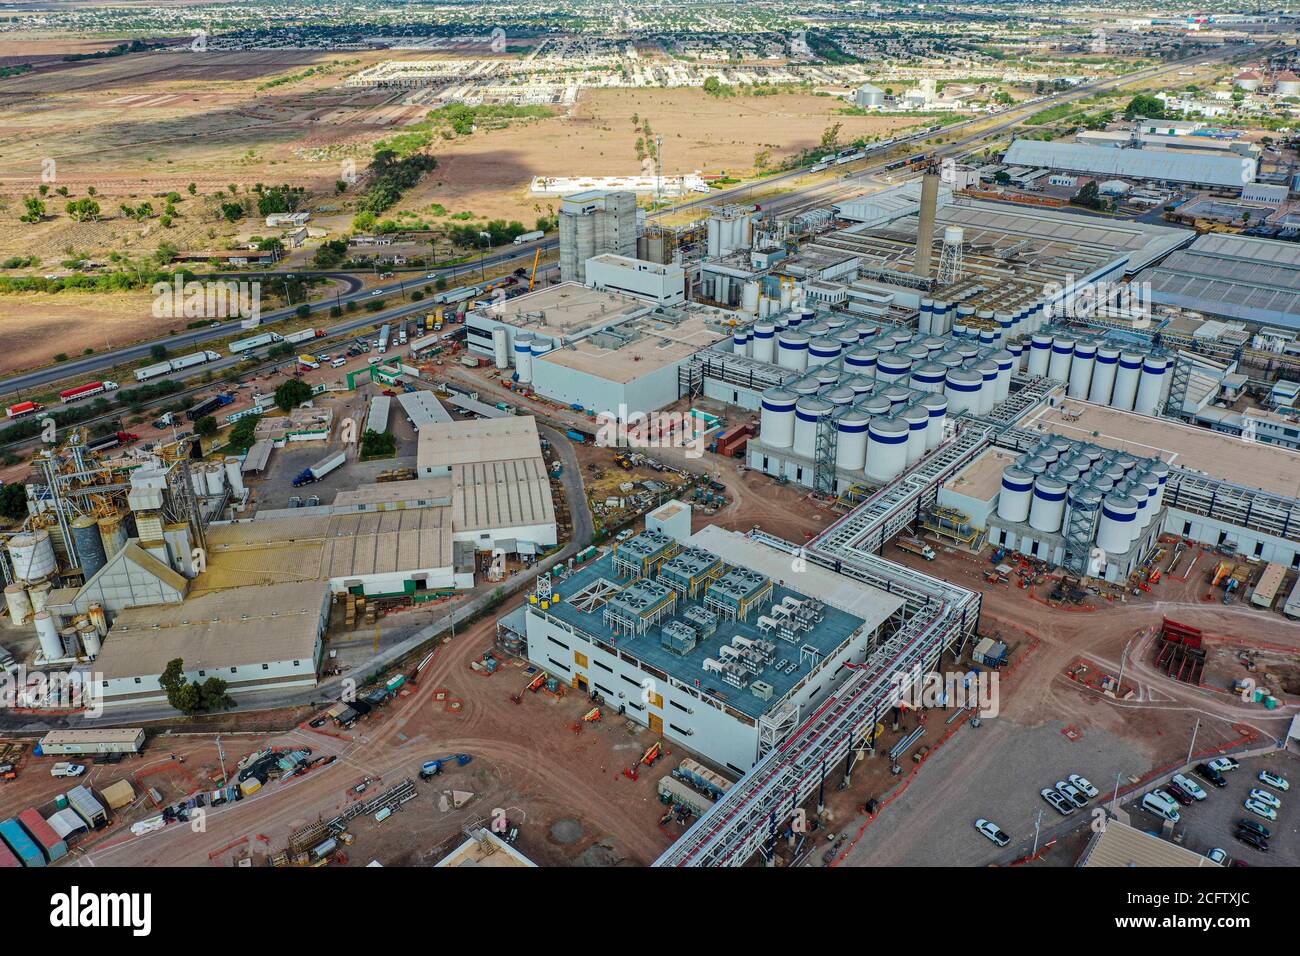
(925, 232)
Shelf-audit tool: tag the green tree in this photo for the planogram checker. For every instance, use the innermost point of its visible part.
(83, 210)
(35, 209)
(158, 352)
(13, 501)
(207, 426)
(291, 393)
(172, 680)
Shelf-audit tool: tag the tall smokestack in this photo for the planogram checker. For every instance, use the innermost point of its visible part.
(925, 232)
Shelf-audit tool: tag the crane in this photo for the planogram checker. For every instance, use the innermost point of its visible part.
(432, 768)
(532, 279)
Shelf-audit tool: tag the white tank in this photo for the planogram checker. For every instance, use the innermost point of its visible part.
(808, 413)
(764, 341)
(89, 639)
(215, 476)
(1085, 360)
(925, 321)
(886, 449)
(1006, 365)
(714, 228)
(851, 439)
(234, 476)
(891, 367)
(917, 419)
(39, 595)
(1017, 350)
(1014, 498)
(936, 406)
(898, 397)
(928, 377)
(988, 372)
(792, 350)
(1103, 375)
(749, 297)
(18, 603)
(1126, 381)
(840, 395)
(877, 406)
(198, 483)
(861, 361)
(1117, 528)
(31, 554)
(1058, 368)
(1047, 511)
(823, 351)
(1160, 469)
(524, 358)
(1040, 352)
(963, 388)
(776, 426)
(47, 632)
(501, 347)
(1150, 486)
(1151, 385)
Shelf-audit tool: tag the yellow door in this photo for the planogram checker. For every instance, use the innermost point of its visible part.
(579, 682)
(656, 723)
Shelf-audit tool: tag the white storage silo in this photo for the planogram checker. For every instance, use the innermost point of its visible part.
(950, 359)
(988, 337)
(897, 396)
(851, 439)
(886, 449)
(860, 384)
(807, 385)
(749, 295)
(848, 339)
(501, 347)
(234, 476)
(925, 321)
(39, 594)
(1085, 360)
(1015, 495)
(215, 478)
(764, 341)
(1017, 350)
(1117, 530)
(1058, 368)
(840, 395)
(740, 342)
(917, 419)
(861, 361)
(928, 377)
(776, 425)
(1126, 381)
(524, 358)
(1151, 385)
(1047, 511)
(1006, 325)
(714, 228)
(1150, 486)
(808, 413)
(826, 375)
(936, 407)
(823, 351)
(31, 555)
(18, 603)
(1040, 352)
(1160, 470)
(959, 329)
(89, 636)
(962, 388)
(988, 372)
(47, 632)
(792, 350)
(1103, 375)
(1032, 464)
(198, 482)
(877, 406)
(891, 367)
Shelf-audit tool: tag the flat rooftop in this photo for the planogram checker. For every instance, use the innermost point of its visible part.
(1269, 468)
(661, 341)
(444, 444)
(982, 479)
(849, 607)
(564, 309)
(434, 491)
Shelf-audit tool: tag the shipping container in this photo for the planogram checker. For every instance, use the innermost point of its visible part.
(51, 844)
(1292, 607)
(24, 847)
(128, 740)
(1267, 586)
(88, 390)
(7, 860)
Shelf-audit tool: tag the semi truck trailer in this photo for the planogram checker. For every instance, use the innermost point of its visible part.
(241, 346)
(89, 390)
(23, 408)
(319, 470)
(175, 365)
(529, 237)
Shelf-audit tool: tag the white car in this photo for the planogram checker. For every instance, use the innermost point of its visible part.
(1223, 764)
(1266, 798)
(992, 831)
(67, 770)
(1194, 789)
(1260, 810)
(1274, 781)
(1083, 785)
(1218, 856)
(1071, 793)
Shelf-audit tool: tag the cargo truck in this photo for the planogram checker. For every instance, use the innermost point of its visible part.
(302, 335)
(240, 346)
(207, 407)
(916, 546)
(319, 470)
(24, 408)
(88, 390)
(175, 365)
(111, 440)
(381, 343)
(308, 361)
(529, 237)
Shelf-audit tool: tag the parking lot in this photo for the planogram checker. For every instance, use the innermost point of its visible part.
(1210, 822)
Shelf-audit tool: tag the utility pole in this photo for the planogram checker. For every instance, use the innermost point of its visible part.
(1037, 825)
(1114, 800)
(221, 759)
(1192, 745)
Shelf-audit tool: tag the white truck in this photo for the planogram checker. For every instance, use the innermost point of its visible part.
(529, 237)
(176, 365)
(302, 335)
(916, 546)
(67, 770)
(241, 346)
(319, 470)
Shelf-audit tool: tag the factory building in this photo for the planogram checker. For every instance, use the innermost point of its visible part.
(867, 97)
(1157, 165)
(657, 283)
(595, 223)
(705, 642)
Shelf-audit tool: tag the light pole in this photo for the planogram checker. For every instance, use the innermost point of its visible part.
(1192, 745)
(1038, 822)
(482, 259)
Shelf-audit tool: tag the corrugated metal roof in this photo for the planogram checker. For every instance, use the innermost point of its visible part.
(1122, 845)
(1235, 276)
(501, 494)
(1158, 164)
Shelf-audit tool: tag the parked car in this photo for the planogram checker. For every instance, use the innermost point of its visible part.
(1059, 803)
(1218, 856)
(1266, 798)
(65, 769)
(992, 831)
(1178, 793)
(1208, 773)
(1274, 781)
(1224, 764)
(1261, 810)
(1071, 793)
(1255, 827)
(1162, 805)
(1083, 785)
(1251, 839)
(1196, 791)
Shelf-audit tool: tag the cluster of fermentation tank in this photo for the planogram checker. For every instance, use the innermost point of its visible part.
(211, 479)
(35, 566)
(526, 347)
(1117, 494)
(1128, 377)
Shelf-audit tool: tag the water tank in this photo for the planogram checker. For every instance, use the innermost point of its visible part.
(963, 389)
(917, 419)
(47, 632)
(764, 341)
(749, 297)
(792, 350)
(1047, 511)
(1103, 375)
(1058, 368)
(823, 351)
(1040, 352)
(31, 555)
(776, 426)
(1017, 491)
(89, 639)
(18, 603)
(501, 347)
(808, 413)
(928, 377)
(886, 449)
(861, 361)
(892, 367)
(39, 594)
(1117, 528)
(524, 358)
(89, 544)
(1126, 381)
(936, 406)
(1085, 360)
(988, 372)
(1151, 385)
(740, 342)
(851, 439)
